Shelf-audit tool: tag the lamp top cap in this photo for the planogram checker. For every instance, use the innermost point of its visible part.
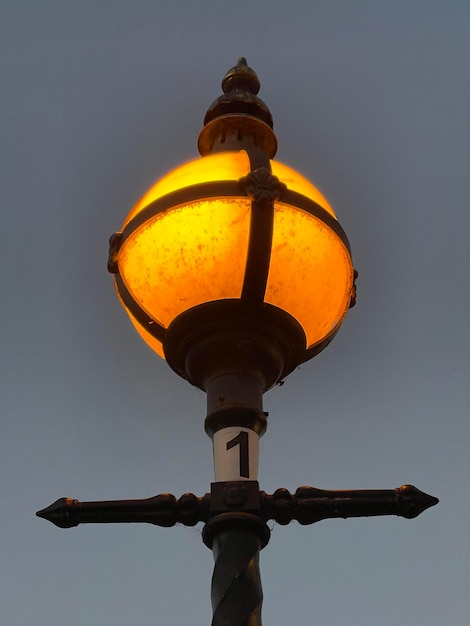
(241, 78)
(240, 86)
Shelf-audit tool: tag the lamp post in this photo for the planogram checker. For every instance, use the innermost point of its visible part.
(234, 268)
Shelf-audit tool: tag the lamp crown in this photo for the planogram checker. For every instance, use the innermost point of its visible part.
(240, 86)
(241, 78)
(238, 119)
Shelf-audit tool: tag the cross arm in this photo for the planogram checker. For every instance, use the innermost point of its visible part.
(161, 510)
(309, 505)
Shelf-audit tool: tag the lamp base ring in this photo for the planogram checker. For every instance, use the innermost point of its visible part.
(236, 521)
(226, 338)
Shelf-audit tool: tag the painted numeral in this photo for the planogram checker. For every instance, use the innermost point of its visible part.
(241, 440)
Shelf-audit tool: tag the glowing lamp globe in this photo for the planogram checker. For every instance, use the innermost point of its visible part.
(234, 260)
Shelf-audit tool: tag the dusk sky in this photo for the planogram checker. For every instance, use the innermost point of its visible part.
(370, 101)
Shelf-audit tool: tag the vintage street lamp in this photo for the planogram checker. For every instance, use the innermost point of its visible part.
(234, 268)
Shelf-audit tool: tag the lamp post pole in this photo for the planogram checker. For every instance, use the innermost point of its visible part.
(238, 340)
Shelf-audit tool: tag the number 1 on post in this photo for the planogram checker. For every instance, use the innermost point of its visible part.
(241, 440)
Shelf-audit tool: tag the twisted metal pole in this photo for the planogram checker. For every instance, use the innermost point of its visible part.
(236, 593)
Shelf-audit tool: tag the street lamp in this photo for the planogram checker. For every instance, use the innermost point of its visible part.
(234, 268)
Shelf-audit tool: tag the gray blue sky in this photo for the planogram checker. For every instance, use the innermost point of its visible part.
(371, 102)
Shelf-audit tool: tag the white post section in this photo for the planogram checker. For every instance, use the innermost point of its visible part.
(235, 421)
(236, 454)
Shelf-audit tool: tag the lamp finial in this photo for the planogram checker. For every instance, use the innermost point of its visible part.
(238, 118)
(241, 78)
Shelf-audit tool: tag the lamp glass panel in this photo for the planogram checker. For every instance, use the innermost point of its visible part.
(215, 167)
(296, 182)
(149, 339)
(311, 272)
(153, 343)
(188, 255)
